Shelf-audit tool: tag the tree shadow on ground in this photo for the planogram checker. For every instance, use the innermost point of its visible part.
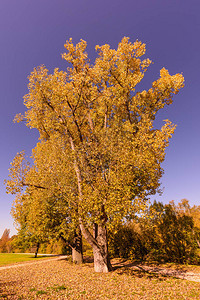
(137, 269)
(141, 273)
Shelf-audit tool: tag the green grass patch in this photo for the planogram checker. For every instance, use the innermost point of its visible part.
(41, 292)
(12, 258)
(59, 288)
(83, 292)
(56, 288)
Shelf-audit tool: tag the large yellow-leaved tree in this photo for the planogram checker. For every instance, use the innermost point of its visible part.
(112, 149)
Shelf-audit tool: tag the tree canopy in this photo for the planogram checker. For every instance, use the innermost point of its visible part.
(98, 143)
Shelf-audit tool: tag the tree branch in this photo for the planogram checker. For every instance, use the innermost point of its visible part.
(34, 185)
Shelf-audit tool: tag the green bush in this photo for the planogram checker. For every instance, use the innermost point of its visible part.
(165, 235)
(126, 243)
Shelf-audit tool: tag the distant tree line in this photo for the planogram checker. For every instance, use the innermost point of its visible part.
(20, 243)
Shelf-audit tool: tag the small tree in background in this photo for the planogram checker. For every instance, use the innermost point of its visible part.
(42, 208)
(4, 241)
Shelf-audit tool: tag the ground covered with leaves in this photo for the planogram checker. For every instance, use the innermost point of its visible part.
(64, 280)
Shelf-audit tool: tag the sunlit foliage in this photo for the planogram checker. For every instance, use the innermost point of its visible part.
(101, 129)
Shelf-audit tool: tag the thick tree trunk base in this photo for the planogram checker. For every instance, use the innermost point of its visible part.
(101, 262)
(99, 244)
(101, 258)
(77, 251)
(77, 256)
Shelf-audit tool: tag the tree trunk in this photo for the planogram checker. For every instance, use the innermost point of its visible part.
(37, 248)
(98, 242)
(100, 246)
(100, 252)
(77, 256)
(76, 246)
(77, 251)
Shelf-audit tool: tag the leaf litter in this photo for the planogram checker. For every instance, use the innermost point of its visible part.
(64, 280)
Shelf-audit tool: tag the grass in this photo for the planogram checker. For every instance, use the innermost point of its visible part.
(41, 292)
(12, 258)
(64, 280)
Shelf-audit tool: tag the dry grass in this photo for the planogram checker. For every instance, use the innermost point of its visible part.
(63, 280)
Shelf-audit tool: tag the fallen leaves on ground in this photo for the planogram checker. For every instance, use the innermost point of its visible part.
(64, 280)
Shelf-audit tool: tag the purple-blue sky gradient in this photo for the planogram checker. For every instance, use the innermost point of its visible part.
(34, 32)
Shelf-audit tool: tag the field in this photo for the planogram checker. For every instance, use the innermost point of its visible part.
(64, 280)
(11, 258)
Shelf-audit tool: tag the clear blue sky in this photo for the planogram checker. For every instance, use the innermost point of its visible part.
(34, 32)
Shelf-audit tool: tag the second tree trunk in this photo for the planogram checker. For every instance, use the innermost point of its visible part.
(100, 251)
